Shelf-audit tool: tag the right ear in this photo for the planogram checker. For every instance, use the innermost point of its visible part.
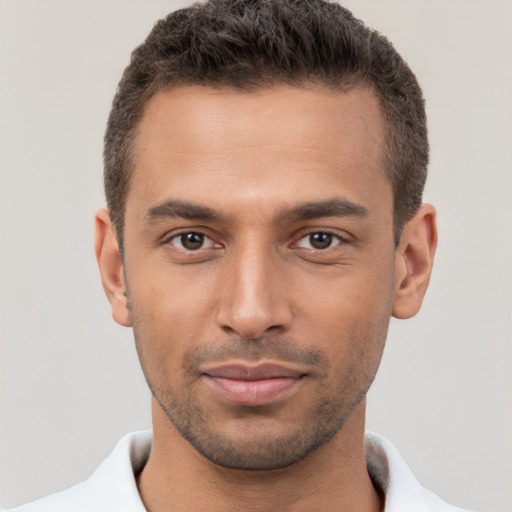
(111, 267)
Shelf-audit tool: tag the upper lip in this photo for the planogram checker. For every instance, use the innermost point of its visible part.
(240, 371)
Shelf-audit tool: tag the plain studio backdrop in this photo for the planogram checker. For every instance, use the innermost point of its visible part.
(70, 380)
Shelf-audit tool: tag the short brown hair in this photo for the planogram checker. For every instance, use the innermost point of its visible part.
(250, 44)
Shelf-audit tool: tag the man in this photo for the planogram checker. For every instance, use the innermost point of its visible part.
(264, 168)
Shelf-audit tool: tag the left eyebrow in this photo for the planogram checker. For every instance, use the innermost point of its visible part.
(335, 207)
(183, 210)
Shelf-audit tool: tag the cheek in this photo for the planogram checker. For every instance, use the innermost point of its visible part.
(171, 299)
(349, 316)
(355, 353)
(353, 297)
(171, 315)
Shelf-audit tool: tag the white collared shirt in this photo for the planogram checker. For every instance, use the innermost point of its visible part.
(112, 487)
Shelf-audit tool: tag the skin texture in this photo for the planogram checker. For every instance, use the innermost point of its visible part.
(290, 260)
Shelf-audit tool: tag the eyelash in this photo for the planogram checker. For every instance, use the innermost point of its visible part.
(332, 237)
(179, 238)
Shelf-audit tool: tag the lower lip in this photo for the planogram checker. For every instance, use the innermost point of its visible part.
(254, 392)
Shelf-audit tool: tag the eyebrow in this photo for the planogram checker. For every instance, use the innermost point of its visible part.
(175, 208)
(183, 210)
(335, 207)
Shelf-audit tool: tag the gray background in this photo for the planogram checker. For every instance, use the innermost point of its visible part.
(69, 380)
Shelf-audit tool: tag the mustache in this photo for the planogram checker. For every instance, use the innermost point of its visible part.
(262, 348)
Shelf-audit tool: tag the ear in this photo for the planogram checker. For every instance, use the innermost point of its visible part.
(111, 267)
(414, 260)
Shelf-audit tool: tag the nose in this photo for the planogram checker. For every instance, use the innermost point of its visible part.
(253, 298)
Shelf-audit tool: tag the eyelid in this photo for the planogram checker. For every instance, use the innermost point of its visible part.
(336, 238)
(175, 235)
(342, 237)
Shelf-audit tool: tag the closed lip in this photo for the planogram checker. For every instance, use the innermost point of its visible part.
(247, 372)
(253, 385)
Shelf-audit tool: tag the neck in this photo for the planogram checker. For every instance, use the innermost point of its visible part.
(333, 478)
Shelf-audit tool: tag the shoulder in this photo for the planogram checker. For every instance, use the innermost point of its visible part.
(436, 504)
(112, 487)
(390, 472)
(71, 499)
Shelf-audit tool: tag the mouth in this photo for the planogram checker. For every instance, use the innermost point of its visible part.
(249, 385)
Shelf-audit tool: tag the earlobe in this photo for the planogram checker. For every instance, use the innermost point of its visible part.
(414, 260)
(111, 267)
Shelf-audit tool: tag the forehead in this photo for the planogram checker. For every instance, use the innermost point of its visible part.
(299, 139)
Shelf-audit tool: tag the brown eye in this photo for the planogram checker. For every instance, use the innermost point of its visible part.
(191, 241)
(319, 240)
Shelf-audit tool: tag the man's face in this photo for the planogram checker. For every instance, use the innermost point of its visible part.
(259, 264)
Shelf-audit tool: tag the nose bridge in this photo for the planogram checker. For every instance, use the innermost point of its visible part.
(254, 299)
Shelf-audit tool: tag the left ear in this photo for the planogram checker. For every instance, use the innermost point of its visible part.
(111, 267)
(413, 261)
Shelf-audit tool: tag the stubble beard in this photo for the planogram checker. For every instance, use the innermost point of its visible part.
(276, 452)
(258, 452)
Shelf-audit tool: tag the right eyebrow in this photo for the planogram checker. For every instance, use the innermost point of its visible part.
(335, 207)
(171, 208)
